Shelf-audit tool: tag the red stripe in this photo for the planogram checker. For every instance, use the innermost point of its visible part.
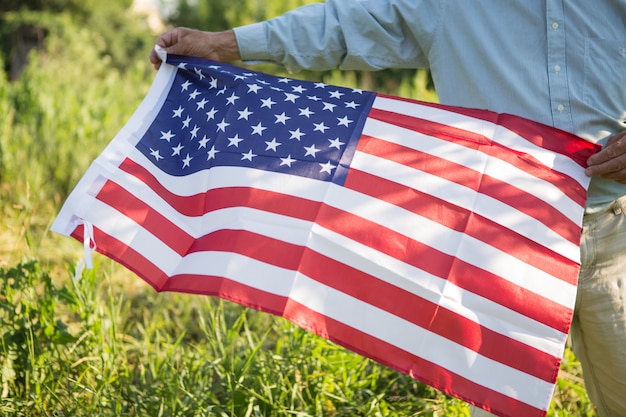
(480, 143)
(180, 241)
(458, 272)
(386, 241)
(215, 199)
(466, 221)
(441, 211)
(141, 213)
(253, 245)
(418, 368)
(508, 194)
(353, 282)
(544, 136)
(426, 314)
(126, 256)
(352, 339)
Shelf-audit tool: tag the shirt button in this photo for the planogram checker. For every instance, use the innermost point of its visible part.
(557, 68)
(560, 107)
(555, 25)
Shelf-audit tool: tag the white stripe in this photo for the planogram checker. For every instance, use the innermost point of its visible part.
(227, 176)
(420, 342)
(467, 198)
(437, 290)
(499, 133)
(476, 161)
(403, 222)
(333, 245)
(324, 300)
(448, 241)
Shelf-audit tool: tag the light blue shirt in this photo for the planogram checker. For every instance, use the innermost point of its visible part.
(558, 62)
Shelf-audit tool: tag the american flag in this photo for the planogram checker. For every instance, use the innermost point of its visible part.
(439, 241)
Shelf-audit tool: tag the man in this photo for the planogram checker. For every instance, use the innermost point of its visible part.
(558, 62)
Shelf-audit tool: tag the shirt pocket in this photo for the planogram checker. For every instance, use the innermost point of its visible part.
(605, 76)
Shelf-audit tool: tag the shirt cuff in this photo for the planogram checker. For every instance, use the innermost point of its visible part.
(252, 43)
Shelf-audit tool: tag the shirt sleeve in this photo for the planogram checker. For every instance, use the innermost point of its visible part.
(346, 34)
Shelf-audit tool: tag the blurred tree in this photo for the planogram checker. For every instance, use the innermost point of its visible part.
(25, 24)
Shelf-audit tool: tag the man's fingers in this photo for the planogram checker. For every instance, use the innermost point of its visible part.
(610, 162)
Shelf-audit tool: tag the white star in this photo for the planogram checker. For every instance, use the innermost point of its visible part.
(167, 135)
(213, 83)
(222, 91)
(284, 80)
(182, 65)
(336, 94)
(178, 112)
(320, 127)
(273, 145)
(211, 153)
(193, 95)
(281, 118)
(344, 121)
(327, 167)
(291, 97)
(194, 132)
(201, 103)
(243, 114)
(186, 121)
(222, 126)
(287, 161)
(329, 106)
(311, 150)
(298, 89)
(240, 77)
(248, 155)
(176, 150)
(199, 73)
(357, 90)
(296, 134)
(352, 105)
(187, 160)
(232, 98)
(202, 143)
(306, 112)
(211, 114)
(156, 154)
(336, 143)
(258, 129)
(254, 88)
(234, 141)
(313, 98)
(185, 85)
(320, 85)
(267, 103)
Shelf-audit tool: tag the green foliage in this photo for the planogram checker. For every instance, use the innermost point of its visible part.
(88, 348)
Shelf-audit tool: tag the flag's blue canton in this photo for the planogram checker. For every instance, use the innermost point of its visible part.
(217, 114)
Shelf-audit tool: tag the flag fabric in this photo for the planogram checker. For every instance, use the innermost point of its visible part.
(442, 242)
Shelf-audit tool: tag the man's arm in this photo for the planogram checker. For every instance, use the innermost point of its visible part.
(347, 34)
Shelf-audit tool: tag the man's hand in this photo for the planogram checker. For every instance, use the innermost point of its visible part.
(610, 162)
(217, 46)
